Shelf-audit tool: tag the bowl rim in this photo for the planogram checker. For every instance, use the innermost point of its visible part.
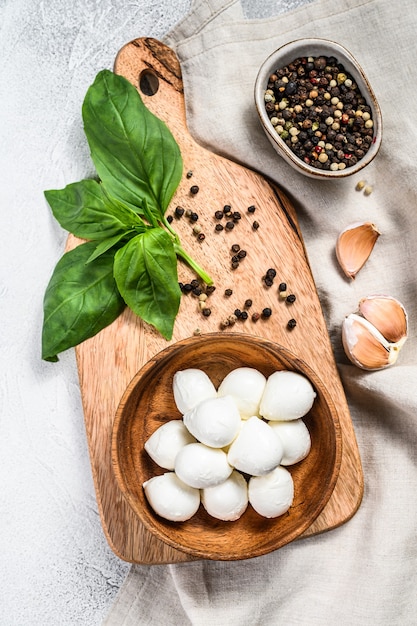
(133, 502)
(290, 51)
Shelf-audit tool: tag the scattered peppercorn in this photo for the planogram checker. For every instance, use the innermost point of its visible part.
(227, 208)
(196, 291)
(206, 312)
(255, 317)
(368, 190)
(255, 225)
(244, 315)
(197, 332)
(248, 303)
(179, 211)
(235, 248)
(228, 292)
(201, 236)
(236, 216)
(268, 281)
(266, 312)
(252, 208)
(271, 272)
(218, 215)
(230, 225)
(232, 319)
(197, 229)
(241, 254)
(189, 174)
(360, 185)
(194, 283)
(210, 289)
(193, 216)
(235, 258)
(194, 189)
(291, 298)
(235, 265)
(169, 219)
(202, 297)
(282, 287)
(292, 323)
(187, 287)
(219, 227)
(238, 313)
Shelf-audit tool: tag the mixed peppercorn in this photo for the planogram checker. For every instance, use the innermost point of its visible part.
(317, 109)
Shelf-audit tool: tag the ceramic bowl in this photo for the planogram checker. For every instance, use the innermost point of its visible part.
(148, 403)
(314, 48)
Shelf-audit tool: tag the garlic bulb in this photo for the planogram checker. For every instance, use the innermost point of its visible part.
(373, 338)
(354, 246)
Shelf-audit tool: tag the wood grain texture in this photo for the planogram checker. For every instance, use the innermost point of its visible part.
(108, 361)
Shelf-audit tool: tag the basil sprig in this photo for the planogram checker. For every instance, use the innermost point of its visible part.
(130, 256)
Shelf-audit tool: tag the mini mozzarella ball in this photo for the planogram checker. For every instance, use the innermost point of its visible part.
(227, 501)
(271, 495)
(287, 396)
(171, 498)
(295, 440)
(246, 385)
(165, 443)
(199, 466)
(256, 450)
(214, 421)
(190, 387)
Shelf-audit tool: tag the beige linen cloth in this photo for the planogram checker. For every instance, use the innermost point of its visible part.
(365, 572)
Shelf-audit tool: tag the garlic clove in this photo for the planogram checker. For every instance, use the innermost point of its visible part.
(365, 346)
(388, 315)
(354, 246)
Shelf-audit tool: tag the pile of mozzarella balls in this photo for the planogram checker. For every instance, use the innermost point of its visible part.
(231, 447)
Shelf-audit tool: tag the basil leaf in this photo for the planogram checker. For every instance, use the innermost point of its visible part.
(145, 270)
(134, 152)
(106, 244)
(87, 211)
(79, 301)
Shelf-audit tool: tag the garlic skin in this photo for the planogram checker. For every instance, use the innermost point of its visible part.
(354, 246)
(271, 495)
(256, 450)
(372, 339)
(165, 443)
(227, 501)
(287, 396)
(214, 421)
(387, 314)
(246, 385)
(171, 498)
(199, 466)
(191, 386)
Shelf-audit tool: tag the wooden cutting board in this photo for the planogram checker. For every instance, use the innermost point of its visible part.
(108, 361)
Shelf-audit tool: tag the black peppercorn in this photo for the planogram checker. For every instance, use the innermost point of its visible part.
(292, 323)
(235, 259)
(235, 248)
(194, 217)
(219, 227)
(266, 312)
(230, 225)
(194, 189)
(197, 291)
(252, 208)
(218, 215)
(206, 312)
(169, 219)
(271, 272)
(241, 254)
(179, 211)
(227, 208)
(268, 281)
(187, 287)
(248, 303)
(237, 312)
(244, 315)
(228, 292)
(291, 298)
(210, 289)
(235, 265)
(255, 225)
(189, 174)
(236, 216)
(194, 283)
(282, 287)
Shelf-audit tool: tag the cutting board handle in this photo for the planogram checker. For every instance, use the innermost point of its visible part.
(153, 68)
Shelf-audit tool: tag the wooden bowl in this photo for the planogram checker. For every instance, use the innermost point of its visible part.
(148, 403)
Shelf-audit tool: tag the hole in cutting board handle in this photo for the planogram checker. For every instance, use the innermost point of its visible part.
(148, 82)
